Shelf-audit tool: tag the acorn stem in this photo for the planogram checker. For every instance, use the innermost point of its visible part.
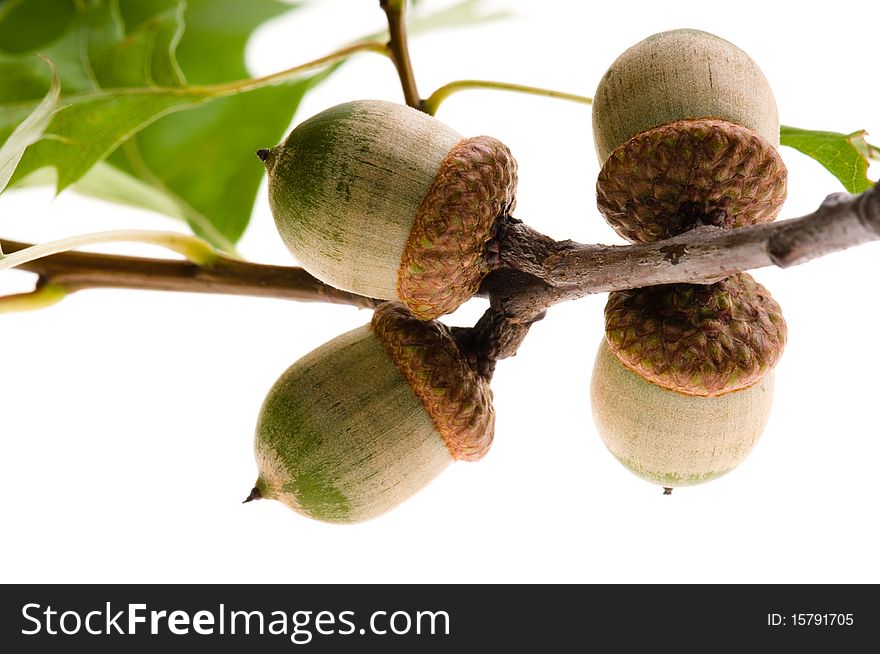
(667, 490)
(494, 337)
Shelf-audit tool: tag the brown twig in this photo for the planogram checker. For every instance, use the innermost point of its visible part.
(74, 271)
(395, 12)
(563, 270)
(494, 337)
(536, 271)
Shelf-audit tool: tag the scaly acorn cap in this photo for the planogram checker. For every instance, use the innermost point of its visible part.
(385, 201)
(686, 127)
(366, 420)
(697, 339)
(669, 438)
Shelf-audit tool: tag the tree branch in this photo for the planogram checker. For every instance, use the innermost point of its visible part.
(535, 272)
(395, 12)
(565, 270)
(74, 271)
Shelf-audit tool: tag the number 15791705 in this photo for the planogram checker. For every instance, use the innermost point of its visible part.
(810, 620)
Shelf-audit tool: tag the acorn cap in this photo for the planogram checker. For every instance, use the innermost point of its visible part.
(344, 435)
(695, 339)
(385, 201)
(445, 258)
(669, 179)
(458, 399)
(672, 439)
(686, 127)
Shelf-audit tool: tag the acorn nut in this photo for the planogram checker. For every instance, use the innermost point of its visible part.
(686, 129)
(672, 439)
(366, 420)
(385, 201)
(682, 385)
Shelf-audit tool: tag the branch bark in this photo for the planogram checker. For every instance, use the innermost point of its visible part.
(494, 337)
(74, 271)
(535, 272)
(565, 270)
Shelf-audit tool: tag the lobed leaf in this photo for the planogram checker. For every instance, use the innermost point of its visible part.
(121, 73)
(203, 159)
(149, 112)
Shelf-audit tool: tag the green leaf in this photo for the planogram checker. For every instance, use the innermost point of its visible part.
(203, 159)
(27, 132)
(28, 26)
(844, 155)
(150, 114)
(92, 121)
(120, 74)
(130, 54)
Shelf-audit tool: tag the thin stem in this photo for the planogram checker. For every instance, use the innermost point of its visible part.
(494, 337)
(395, 12)
(43, 296)
(75, 271)
(292, 73)
(205, 91)
(433, 102)
(194, 249)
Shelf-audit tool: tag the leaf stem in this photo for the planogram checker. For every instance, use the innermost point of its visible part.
(291, 73)
(398, 47)
(194, 249)
(45, 295)
(433, 102)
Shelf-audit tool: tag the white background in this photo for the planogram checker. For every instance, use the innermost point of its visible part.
(127, 416)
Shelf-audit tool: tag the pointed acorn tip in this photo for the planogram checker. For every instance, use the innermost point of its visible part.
(263, 154)
(255, 495)
(666, 490)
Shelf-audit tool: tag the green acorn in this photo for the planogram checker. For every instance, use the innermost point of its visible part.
(385, 201)
(366, 420)
(686, 129)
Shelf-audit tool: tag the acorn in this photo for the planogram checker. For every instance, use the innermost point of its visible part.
(366, 420)
(385, 201)
(682, 386)
(686, 129)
